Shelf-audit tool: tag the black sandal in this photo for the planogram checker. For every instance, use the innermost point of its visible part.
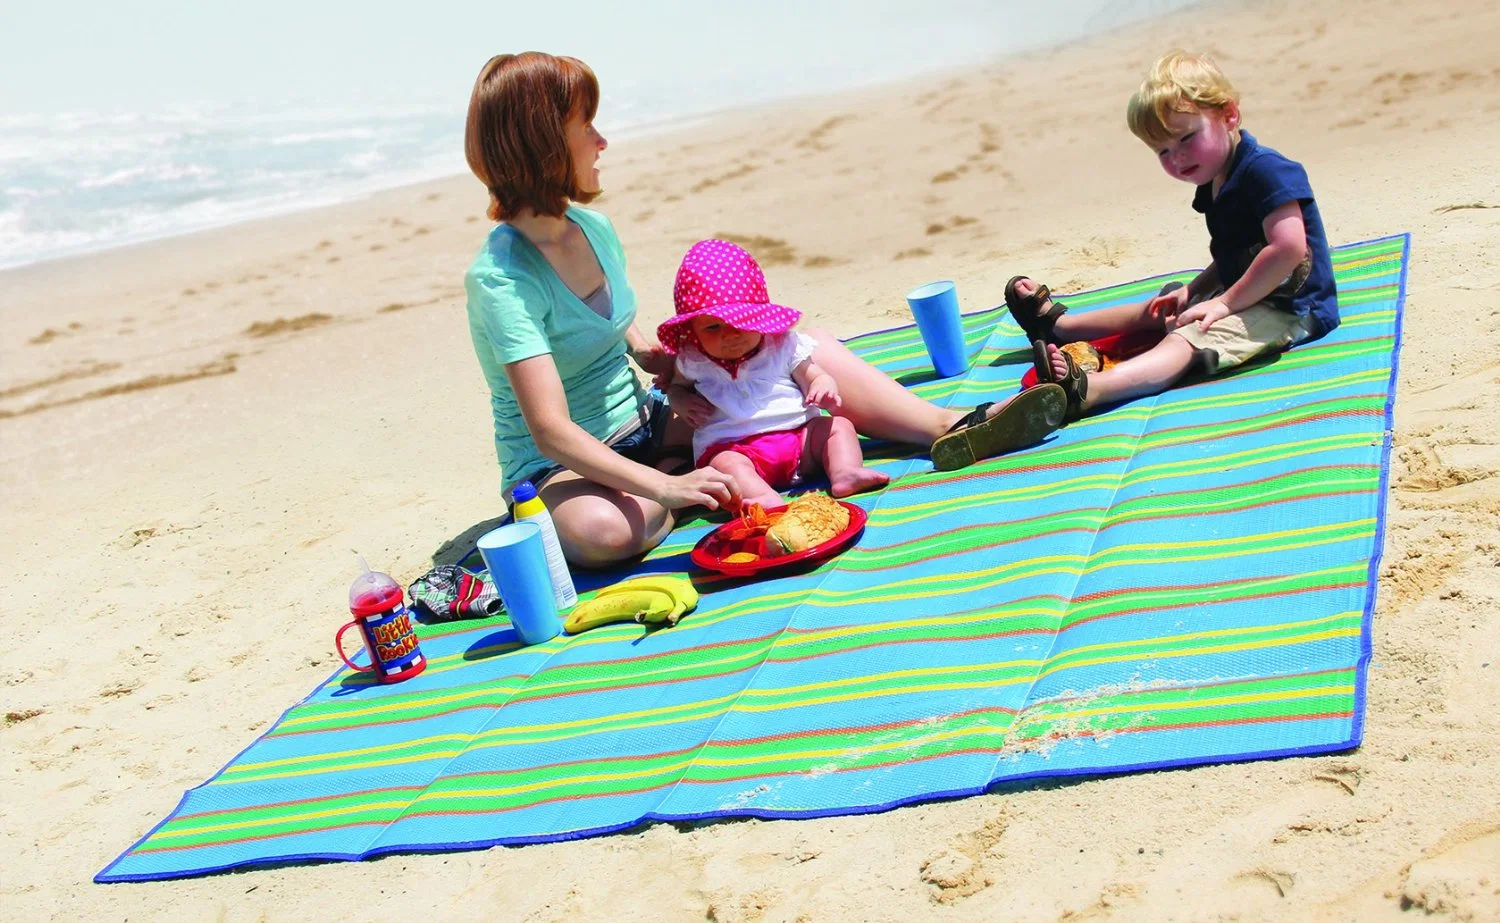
(1075, 384)
(1026, 420)
(1028, 312)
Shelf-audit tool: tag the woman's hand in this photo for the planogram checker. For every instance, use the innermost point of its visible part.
(652, 359)
(708, 487)
(823, 392)
(647, 353)
(690, 405)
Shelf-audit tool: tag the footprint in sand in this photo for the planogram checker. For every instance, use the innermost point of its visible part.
(1102, 251)
(816, 140)
(1279, 879)
(21, 714)
(1345, 775)
(957, 871)
(710, 182)
(989, 138)
(820, 261)
(768, 251)
(1423, 468)
(221, 366)
(1419, 562)
(87, 370)
(957, 221)
(262, 329)
(1456, 876)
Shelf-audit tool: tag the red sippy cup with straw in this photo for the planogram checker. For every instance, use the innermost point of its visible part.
(384, 623)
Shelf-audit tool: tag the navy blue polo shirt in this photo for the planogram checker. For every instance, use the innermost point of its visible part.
(1261, 180)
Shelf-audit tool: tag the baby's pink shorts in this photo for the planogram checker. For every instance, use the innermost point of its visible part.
(776, 456)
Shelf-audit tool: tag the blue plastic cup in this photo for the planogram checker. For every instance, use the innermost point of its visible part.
(935, 307)
(518, 563)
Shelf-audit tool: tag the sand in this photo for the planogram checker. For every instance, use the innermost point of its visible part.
(194, 433)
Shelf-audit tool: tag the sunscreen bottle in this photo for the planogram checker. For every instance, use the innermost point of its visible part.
(529, 508)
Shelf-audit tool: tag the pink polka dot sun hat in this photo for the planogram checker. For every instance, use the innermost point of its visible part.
(721, 280)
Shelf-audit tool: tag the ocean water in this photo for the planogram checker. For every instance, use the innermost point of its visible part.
(74, 183)
(161, 146)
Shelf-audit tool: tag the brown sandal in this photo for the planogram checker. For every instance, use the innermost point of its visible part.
(1025, 420)
(1028, 310)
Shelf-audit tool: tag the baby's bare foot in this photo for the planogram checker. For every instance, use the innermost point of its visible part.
(857, 482)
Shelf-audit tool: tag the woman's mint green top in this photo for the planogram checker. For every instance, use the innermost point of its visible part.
(519, 308)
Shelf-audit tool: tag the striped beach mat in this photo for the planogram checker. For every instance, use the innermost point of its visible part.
(1184, 579)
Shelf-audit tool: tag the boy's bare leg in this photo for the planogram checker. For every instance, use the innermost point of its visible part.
(833, 441)
(1092, 325)
(1152, 372)
(753, 487)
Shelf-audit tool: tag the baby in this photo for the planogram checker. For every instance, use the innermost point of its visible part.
(747, 382)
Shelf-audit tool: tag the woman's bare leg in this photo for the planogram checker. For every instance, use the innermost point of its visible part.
(598, 526)
(876, 403)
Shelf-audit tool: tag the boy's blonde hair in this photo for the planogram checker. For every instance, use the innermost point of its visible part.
(1178, 82)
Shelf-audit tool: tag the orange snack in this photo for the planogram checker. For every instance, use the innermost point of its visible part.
(741, 557)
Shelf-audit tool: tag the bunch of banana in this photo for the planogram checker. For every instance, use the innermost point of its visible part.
(650, 599)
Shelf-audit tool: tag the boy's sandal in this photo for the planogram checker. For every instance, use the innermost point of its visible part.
(1037, 312)
(1025, 420)
(1075, 385)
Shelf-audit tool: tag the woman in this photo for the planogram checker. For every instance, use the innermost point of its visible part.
(552, 318)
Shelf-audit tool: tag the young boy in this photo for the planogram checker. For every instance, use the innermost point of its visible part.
(1269, 284)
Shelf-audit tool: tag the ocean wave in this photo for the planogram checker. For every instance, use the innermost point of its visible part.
(309, 137)
(164, 173)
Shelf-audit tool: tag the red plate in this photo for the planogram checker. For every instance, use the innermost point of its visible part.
(719, 544)
(1119, 347)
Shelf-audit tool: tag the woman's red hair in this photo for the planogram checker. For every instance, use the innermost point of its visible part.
(516, 140)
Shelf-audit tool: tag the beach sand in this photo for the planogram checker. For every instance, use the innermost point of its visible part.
(194, 433)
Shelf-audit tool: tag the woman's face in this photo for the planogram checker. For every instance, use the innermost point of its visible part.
(585, 144)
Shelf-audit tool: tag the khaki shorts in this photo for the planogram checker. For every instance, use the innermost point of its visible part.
(1241, 337)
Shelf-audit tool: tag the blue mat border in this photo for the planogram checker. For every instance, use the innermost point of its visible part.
(1356, 736)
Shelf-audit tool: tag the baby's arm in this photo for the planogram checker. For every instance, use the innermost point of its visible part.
(685, 400)
(818, 387)
(1286, 246)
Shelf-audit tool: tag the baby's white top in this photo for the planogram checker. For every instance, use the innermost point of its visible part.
(763, 398)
